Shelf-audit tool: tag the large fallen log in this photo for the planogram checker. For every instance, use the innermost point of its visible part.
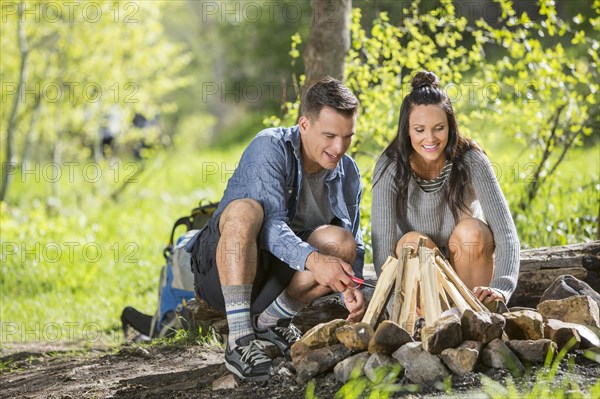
(584, 255)
(541, 266)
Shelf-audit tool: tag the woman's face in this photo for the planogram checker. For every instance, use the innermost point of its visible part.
(428, 130)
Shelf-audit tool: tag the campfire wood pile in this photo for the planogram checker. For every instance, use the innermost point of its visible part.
(423, 281)
(464, 336)
(425, 322)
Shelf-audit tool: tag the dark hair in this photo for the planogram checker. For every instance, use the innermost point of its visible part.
(426, 91)
(332, 93)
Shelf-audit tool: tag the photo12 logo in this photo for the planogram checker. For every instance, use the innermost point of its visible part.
(53, 332)
(72, 172)
(71, 11)
(235, 12)
(71, 92)
(67, 251)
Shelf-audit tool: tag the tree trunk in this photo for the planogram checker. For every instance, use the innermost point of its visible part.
(53, 201)
(10, 161)
(328, 41)
(35, 116)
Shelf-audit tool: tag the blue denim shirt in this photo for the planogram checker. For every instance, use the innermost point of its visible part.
(270, 172)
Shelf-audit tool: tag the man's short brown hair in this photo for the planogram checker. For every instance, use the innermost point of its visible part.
(332, 93)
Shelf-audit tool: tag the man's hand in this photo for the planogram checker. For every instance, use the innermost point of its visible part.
(330, 271)
(354, 300)
(487, 294)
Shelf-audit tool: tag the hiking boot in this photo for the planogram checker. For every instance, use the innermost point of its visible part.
(248, 360)
(283, 335)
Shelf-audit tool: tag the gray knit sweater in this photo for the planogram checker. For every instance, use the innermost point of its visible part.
(430, 214)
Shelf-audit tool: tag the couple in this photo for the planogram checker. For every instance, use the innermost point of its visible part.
(287, 230)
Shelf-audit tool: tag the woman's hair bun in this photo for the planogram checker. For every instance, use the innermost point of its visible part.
(425, 78)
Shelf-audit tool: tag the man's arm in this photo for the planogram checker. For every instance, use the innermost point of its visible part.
(261, 175)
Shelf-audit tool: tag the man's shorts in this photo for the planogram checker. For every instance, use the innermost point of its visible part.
(272, 274)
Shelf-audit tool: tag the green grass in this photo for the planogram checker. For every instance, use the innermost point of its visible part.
(71, 262)
(68, 273)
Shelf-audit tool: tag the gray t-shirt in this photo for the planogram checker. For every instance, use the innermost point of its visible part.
(313, 205)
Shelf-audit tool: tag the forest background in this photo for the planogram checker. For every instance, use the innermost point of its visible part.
(118, 117)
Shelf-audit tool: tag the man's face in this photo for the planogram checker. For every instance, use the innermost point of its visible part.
(325, 139)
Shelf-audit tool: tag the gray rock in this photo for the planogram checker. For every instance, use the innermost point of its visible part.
(298, 352)
(532, 351)
(469, 344)
(561, 332)
(497, 355)
(227, 381)
(344, 369)
(460, 360)
(566, 286)
(388, 337)
(445, 333)
(379, 364)
(580, 309)
(524, 324)
(517, 308)
(323, 334)
(320, 360)
(421, 367)
(322, 310)
(481, 326)
(497, 306)
(355, 336)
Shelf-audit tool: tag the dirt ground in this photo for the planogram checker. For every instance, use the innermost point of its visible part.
(41, 371)
(83, 370)
(133, 371)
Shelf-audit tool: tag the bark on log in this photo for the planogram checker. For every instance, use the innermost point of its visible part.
(540, 267)
(576, 255)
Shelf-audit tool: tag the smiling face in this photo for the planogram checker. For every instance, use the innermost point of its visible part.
(428, 131)
(325, 139)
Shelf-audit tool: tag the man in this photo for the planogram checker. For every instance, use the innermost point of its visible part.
(286, 230)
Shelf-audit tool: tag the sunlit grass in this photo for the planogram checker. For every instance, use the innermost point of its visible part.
(67, 275)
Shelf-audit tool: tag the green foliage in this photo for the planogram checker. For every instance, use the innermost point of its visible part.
(69, 274)
(519, 83)
(185, 338)
(544, 383)
(310, 390)
(381, 387)
(83, 64)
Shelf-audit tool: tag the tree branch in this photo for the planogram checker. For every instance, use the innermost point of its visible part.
(536, 181)
(10, 145)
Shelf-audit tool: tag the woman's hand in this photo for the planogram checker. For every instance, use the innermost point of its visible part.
(487, 294)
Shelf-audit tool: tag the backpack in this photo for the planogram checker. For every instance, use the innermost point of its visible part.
(175, 284)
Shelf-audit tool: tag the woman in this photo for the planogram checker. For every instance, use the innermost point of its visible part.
(430, 181)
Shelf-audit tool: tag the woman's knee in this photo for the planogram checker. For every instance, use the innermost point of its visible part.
(244, 216)
(472, 234)
(334, 241)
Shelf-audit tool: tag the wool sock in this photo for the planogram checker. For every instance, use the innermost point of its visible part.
(284, 307)
(237, 307)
